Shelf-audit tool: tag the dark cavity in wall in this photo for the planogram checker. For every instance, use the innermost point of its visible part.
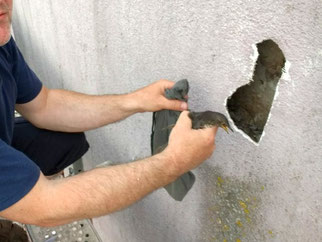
(249, 106)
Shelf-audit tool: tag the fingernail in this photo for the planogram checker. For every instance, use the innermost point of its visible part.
(184, 106)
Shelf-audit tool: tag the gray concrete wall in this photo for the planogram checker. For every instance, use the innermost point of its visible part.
(266, 192)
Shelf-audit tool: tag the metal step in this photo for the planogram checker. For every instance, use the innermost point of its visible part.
(80, 231)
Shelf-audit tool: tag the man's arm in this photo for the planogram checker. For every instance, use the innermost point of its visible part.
(105, 190)
(69, 111)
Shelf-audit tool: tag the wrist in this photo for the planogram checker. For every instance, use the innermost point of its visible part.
(134, 102)
(171, 163)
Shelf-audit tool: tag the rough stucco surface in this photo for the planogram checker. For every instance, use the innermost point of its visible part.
(269, 192)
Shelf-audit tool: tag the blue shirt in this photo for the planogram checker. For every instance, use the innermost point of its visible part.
(18, 85)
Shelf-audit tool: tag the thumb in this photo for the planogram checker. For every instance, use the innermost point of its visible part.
(175, 105)
(184, 121)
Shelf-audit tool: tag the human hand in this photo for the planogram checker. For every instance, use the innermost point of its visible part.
(188, 147)
(151, 98)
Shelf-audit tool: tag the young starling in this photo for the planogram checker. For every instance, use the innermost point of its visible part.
(207, 119)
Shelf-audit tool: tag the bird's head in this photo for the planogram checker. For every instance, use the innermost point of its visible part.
(221, 121)
(209, 119)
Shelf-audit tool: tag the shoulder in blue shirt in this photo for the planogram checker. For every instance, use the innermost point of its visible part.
(18, 84)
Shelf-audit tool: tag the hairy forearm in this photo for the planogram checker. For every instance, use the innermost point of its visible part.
(70, 111)
(105, 190)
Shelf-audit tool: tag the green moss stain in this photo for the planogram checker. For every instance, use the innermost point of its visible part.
(220, 181)
(233, 212)
(271, 234)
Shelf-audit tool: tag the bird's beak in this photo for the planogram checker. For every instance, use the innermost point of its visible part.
(225, 127)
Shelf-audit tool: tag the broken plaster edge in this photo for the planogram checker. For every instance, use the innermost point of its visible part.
(286, 73)
(253, 59)
(285, 76)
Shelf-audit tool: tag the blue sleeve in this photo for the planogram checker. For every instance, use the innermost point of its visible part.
(18, 175)
(28, 84)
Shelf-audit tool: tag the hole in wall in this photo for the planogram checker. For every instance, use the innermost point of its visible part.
(249, 106)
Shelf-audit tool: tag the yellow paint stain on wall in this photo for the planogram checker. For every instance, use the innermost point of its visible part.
(239, 223)
(226, 227)
(220, 181)
(242, 204)
(233, 212)
(271, 233)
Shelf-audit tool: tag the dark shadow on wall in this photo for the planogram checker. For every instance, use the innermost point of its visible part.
(250, 105)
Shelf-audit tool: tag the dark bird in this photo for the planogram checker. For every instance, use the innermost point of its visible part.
(207, 119)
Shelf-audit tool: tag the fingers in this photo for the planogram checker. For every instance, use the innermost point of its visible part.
(184, 121)
(166, 84)
(188, 146)
(175, 105)
(163, 102)
(152, 98)
(209, 134)
(214, 129)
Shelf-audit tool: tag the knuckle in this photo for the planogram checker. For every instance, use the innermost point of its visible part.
(178, 104)
(163, 81)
